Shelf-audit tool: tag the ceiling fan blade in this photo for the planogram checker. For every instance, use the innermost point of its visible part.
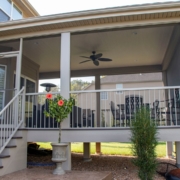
(96, 63)
(98, 55)
(85, 57)
(104, 59)
(84, 61)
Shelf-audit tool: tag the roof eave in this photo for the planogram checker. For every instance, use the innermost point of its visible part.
(125, 10)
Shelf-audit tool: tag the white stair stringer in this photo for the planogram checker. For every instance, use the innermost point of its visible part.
(14, 156)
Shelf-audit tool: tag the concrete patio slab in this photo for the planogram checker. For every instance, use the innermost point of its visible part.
(41, 174)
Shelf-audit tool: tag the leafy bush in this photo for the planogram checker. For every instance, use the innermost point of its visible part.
(144, 140)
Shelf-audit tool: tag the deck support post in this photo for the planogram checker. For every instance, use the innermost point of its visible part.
(169, 149)
(98, 115)
(65, 87)
(87, 152)
(177, 145)
(98, 148)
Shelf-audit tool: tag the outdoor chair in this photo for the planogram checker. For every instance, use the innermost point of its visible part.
(174, 108)
(75, 117)
(132, 104)
(116, 115)
(88, 118)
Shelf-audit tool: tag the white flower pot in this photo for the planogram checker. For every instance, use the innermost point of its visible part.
(59, 156)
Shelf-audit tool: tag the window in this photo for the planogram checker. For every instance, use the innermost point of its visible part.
(2, 85)
(3, 16)
(6, 5)
(29, 84)
(16, 13)
(104, 95)
(8, 11)
(119, 86)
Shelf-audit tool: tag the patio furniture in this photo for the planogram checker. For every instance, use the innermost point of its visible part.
(132, 104)
(88, 118)
(116, 115)
(75, 117)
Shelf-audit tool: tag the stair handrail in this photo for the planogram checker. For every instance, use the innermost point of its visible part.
(19, 123)
(12, 100)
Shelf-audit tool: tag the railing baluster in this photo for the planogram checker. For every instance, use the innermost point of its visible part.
(8, 122)
(82, 109)
(160, 109)
(130, 108)
(150, 105)
(175, 100)
(77, 113)
(105, 111)
(170, 107)
(86, 111)
(115, 108)
(91, 111)
(166, 108)
(125, 108)
(28, 113)
(134, 105)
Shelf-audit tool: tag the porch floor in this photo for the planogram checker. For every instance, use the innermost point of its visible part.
(40, 174)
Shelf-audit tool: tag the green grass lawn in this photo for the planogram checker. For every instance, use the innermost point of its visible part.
(109, 148)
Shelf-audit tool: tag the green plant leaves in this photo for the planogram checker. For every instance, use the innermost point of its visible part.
(59, 112)
(144, 139)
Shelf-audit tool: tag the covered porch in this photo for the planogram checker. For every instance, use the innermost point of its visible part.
(136, 43)
(135, 50)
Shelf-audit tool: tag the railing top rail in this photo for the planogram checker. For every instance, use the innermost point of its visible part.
(12, 100)
(109, 90)
(3, 90)
(126, 89)
(42, 93)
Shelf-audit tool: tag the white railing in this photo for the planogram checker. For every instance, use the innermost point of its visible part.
(109, 108)
(11, 118)
(113, 108)
(35, 105)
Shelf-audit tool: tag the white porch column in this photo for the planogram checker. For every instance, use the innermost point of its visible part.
(177, 145)
(65, 86)
(169, 149)
(18, 66)
(97, 87)
(87, 151)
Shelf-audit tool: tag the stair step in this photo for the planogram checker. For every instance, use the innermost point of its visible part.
(18, 137)
(4, 156)
(11, 146)
(1, 167)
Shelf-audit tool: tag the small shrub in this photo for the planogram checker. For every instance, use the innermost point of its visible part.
(144, 142)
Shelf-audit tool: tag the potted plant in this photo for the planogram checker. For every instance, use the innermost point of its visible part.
(59, 109)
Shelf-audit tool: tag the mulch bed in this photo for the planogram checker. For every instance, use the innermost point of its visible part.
(120, 166)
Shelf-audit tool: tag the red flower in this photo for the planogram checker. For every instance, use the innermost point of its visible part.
(60, 102)
(49, 96)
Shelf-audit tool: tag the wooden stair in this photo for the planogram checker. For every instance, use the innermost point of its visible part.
(5, 156)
